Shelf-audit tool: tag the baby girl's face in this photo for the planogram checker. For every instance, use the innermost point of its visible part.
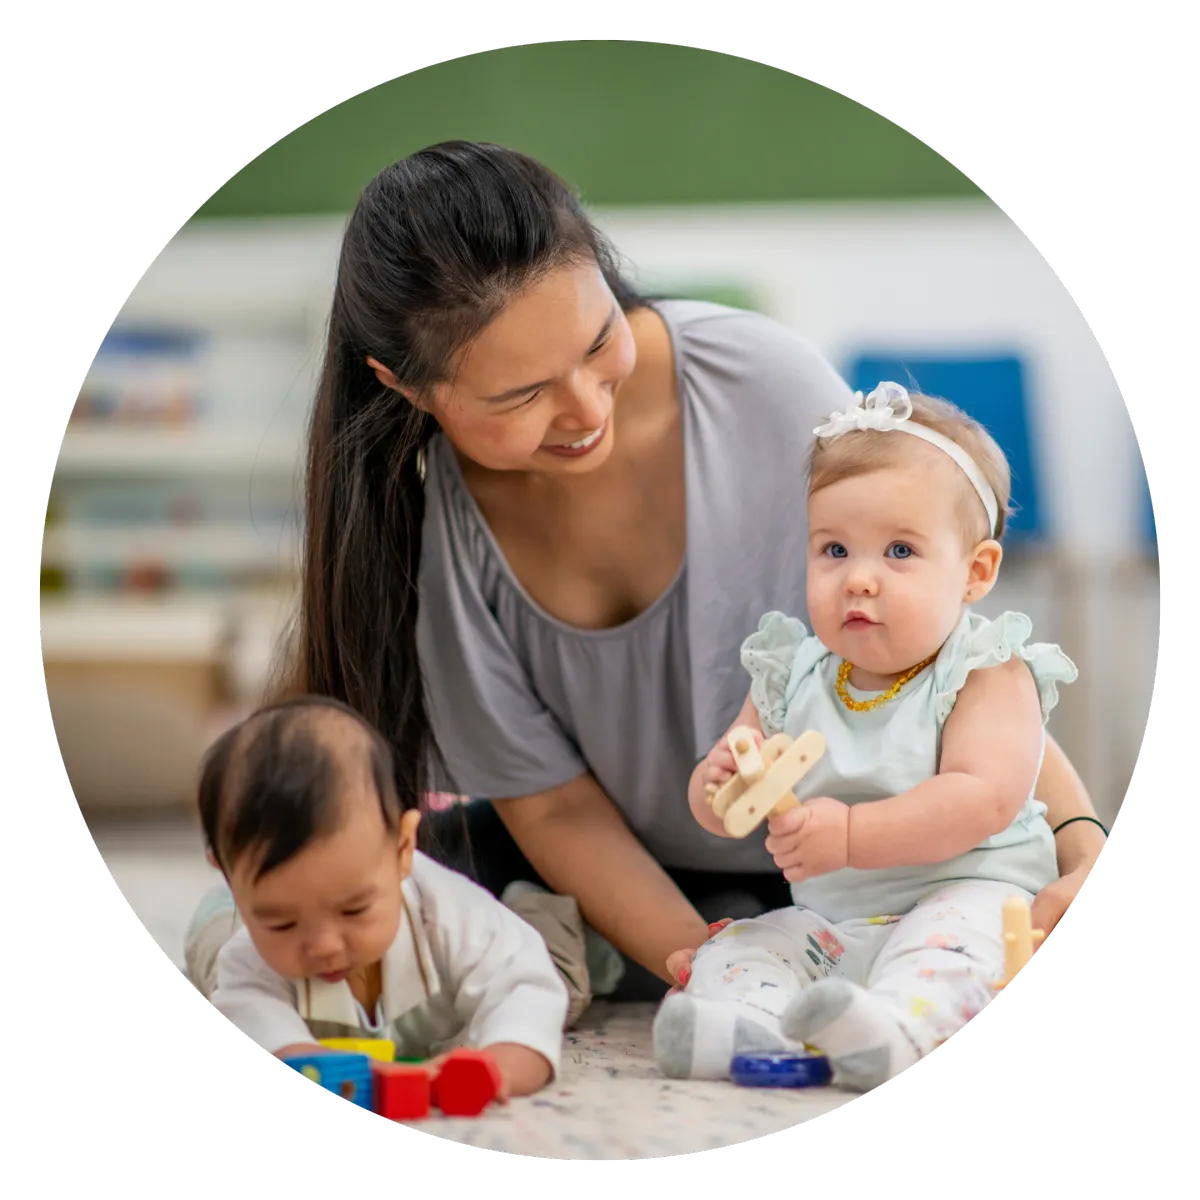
(335, 907)
(887, 565)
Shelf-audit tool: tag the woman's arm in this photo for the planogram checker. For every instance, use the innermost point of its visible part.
(1061, 790)
(579, 843)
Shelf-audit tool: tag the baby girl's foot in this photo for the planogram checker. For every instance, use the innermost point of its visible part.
(696, 1039)
(864, 1042)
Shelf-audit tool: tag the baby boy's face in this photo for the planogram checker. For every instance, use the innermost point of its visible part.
(887, 568)
(335, 907)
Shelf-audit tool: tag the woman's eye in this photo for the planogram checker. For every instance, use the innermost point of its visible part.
(900, 550)
(599, 346)
(836, 550)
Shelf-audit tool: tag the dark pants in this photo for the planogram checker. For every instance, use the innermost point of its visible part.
(472, 839)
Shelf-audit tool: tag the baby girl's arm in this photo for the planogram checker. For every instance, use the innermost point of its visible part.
(716, 767)
(991, 747)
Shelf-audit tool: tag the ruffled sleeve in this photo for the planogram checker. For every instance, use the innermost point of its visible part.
(979, 643)
(778, 655)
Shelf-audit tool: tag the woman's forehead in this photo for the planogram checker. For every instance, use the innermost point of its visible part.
(539, 333)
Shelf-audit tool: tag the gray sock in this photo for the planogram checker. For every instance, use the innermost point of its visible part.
(865, 1043)
(696, 1038)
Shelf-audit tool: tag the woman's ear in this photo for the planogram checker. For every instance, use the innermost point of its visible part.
(408, 839)
(389, 380)
(386, 377)
(982, 570)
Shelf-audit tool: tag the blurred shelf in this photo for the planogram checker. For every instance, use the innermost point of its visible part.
(227, 546)
(166, 452)
(107, 629)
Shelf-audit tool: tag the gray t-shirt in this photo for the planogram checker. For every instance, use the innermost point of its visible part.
(521, 702)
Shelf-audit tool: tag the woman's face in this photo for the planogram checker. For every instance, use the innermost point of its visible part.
(535, 390)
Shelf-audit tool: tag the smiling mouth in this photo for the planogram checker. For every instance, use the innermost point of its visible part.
(582, 446)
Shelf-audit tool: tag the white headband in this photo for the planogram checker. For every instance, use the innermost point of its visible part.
(888, 409)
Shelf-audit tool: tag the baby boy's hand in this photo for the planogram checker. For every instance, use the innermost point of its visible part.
(719, 766)
(811, 840)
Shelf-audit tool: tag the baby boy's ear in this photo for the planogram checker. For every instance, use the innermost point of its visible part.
(408, 838)
(211, 857)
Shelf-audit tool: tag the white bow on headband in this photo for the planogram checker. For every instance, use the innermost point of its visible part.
(884, 408)
(887, 409)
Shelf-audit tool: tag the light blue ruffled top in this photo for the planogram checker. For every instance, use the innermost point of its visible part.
(883, 752)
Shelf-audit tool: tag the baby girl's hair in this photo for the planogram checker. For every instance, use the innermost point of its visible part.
(272, 784)
(864, 450)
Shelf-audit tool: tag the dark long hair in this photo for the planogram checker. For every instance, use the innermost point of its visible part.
(435, 247)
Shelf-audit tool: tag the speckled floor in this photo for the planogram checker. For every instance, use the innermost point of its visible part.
(610, 1102)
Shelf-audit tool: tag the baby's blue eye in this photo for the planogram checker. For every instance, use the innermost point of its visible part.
(900, 550)
(836, 550)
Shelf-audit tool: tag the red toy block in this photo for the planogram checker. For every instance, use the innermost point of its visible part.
(467, 1083)
(402, 1093)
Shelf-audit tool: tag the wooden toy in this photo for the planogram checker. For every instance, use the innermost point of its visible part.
(467, 1083)
(348, 1075)
(1020, 938)
(376, 1048)
(402, 1093)
(763, 783)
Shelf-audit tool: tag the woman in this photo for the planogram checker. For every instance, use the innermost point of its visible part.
(542, 514)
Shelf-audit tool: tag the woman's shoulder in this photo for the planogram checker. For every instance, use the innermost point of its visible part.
(751, 360)
(455, 541)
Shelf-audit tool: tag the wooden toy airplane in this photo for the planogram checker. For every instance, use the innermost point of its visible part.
(1019, 938)
(762, 785)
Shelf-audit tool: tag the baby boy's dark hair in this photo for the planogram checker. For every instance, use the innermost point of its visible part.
(273, 783)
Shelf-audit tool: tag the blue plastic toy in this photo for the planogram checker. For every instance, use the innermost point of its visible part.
(347, 1075)
(798, 1070)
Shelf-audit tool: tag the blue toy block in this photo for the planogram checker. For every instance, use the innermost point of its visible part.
(347, 1075)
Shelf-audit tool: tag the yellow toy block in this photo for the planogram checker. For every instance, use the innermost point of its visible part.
(378, 1048)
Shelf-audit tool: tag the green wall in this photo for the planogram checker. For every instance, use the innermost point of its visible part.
(625, 122)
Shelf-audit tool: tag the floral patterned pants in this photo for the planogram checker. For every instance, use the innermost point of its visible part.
(934, 966)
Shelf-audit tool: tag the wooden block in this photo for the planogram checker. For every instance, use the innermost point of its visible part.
(773, 792)
(747, 757)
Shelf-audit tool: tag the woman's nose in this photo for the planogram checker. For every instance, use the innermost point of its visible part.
(588, 402)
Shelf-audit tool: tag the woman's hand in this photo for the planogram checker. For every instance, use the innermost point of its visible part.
(810, 840)
(679, 962)
(1054, 900)
(719, 765)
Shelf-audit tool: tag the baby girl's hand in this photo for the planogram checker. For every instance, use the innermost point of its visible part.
(811, 840)
(719, 766)
(679, 962)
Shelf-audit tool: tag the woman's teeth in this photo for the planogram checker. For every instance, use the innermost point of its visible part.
(587, 441)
